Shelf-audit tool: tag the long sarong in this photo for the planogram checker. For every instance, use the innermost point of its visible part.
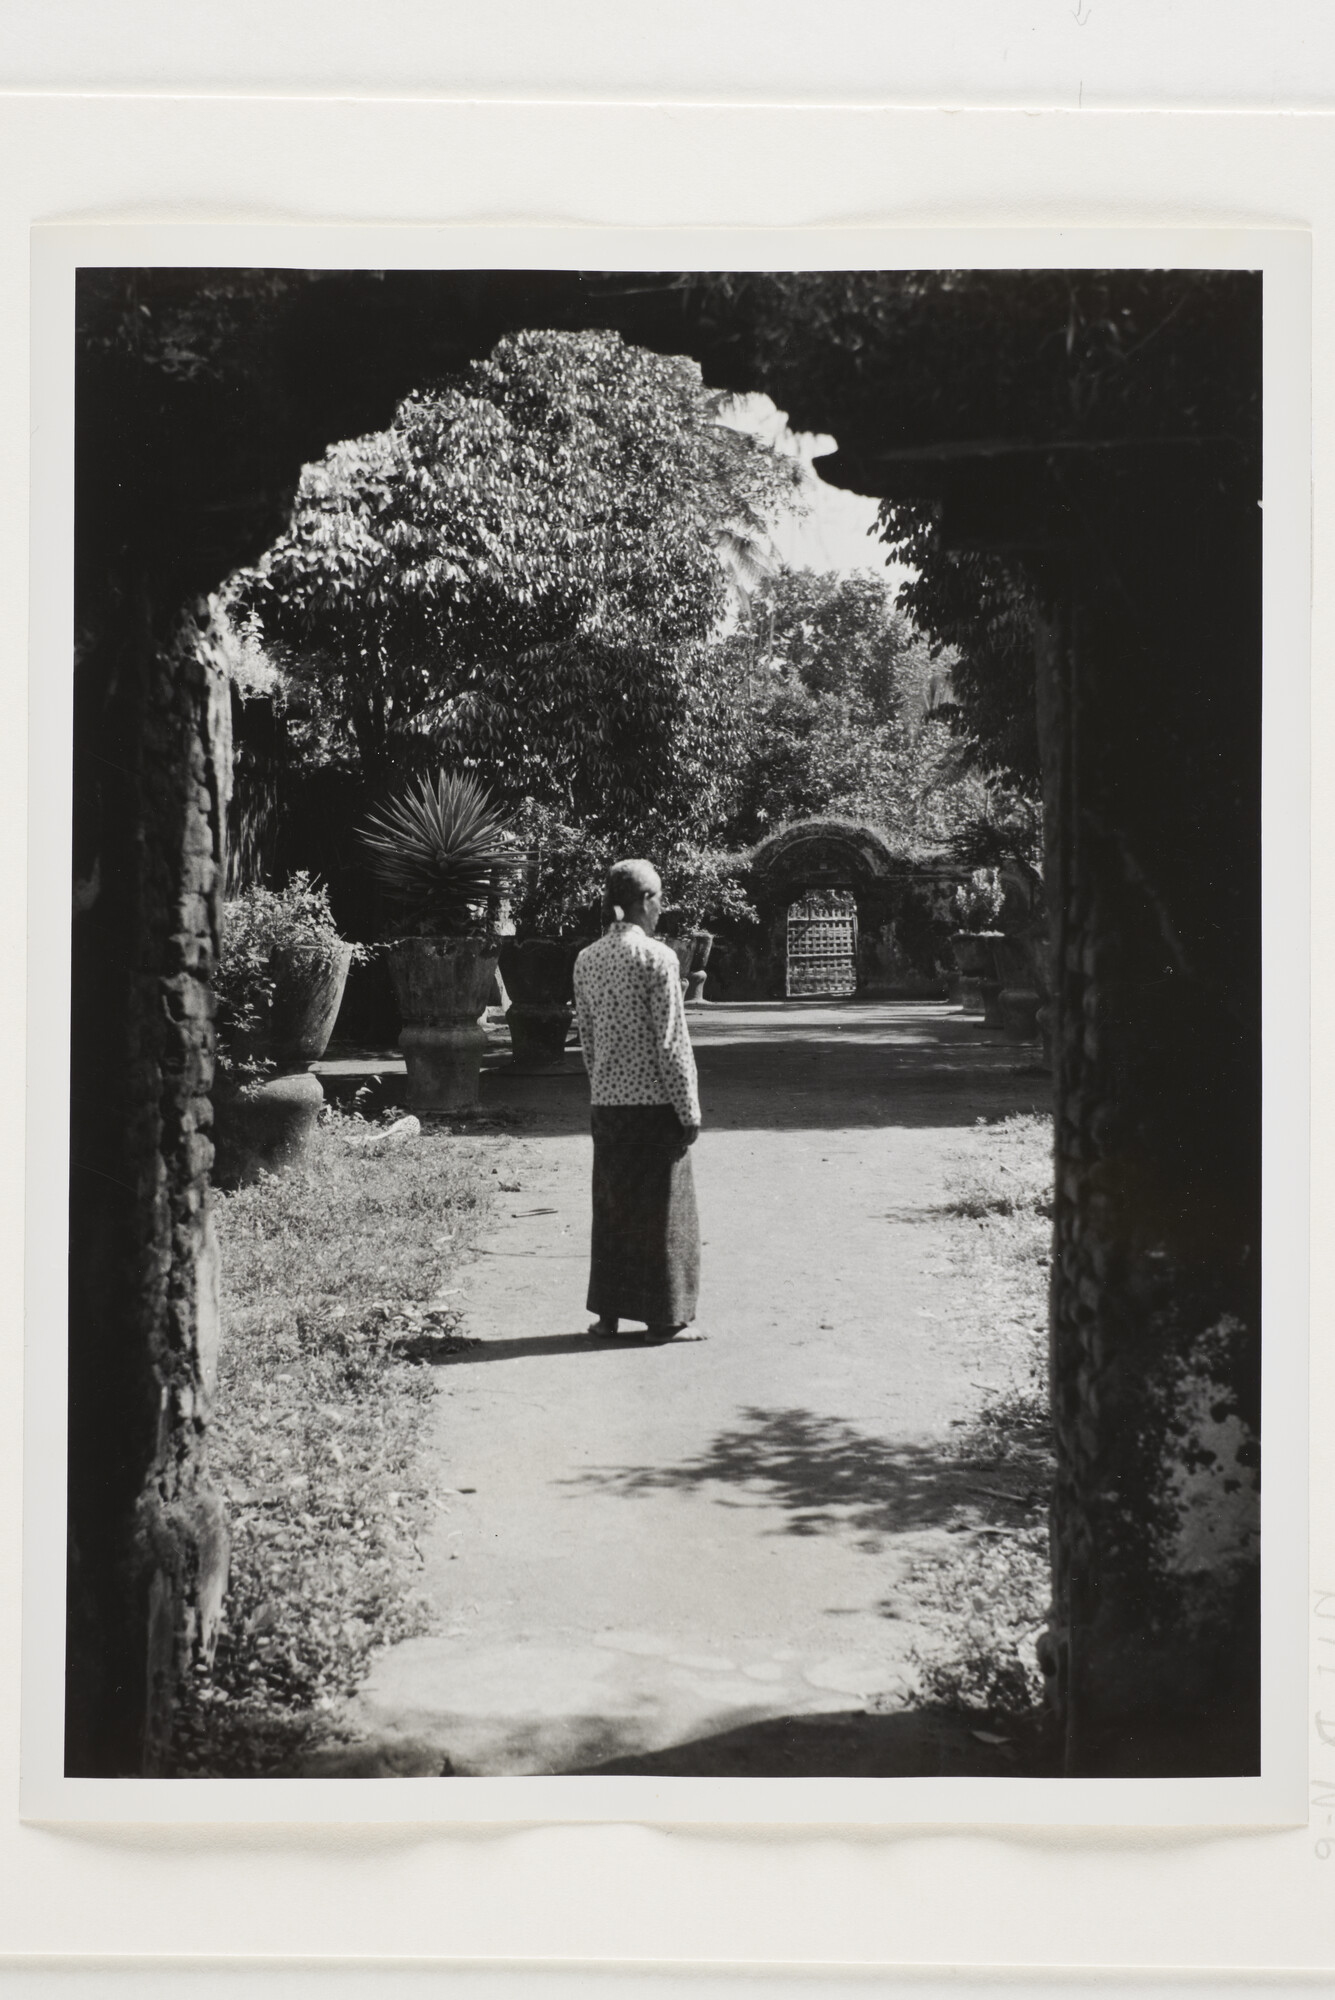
(645, 1261)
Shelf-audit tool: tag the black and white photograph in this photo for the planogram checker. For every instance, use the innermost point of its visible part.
(666, 1087)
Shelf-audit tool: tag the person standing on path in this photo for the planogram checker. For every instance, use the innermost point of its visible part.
(645, 1115)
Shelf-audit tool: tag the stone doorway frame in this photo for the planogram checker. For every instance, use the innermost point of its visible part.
(1144, 538)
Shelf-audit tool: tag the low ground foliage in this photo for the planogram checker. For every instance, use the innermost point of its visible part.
(992, 1594)
(336, 1280)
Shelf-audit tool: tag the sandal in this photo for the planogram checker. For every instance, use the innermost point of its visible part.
(610, 1330)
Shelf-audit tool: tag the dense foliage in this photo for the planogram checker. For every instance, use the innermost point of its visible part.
(842, 703)
(977, 902)
(523, 573)
(981, 609)
(561, 894)
(905, 360)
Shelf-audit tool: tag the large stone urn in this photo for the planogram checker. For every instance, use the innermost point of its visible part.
(684, 947)
(989, 976)
(262, 1127)
(1018, 998)
(442, 985)
(538, 978)
(974, 964)
(1040, 959)
(692, 949)
(702, 943)
(308, 991)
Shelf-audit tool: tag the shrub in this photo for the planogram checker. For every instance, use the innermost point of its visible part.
(709, 889)
(255, 925)
(562, 893)
(978, 901)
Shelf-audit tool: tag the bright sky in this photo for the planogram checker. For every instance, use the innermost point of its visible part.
(838, 530)
(838, 533)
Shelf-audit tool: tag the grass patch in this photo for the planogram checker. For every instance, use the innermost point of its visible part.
(991, 1594)
(334, 1277)
(1006, 1170)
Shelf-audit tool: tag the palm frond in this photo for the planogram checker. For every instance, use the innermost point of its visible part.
(436, 851)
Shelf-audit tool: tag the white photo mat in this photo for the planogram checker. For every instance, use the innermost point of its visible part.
(1278, 1797)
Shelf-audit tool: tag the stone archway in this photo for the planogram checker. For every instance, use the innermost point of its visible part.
(898, 940)
(1137, 521)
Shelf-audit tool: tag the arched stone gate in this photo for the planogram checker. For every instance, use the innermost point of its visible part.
(898, 938)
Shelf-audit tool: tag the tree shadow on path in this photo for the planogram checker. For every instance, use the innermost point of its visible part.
(826, 1477)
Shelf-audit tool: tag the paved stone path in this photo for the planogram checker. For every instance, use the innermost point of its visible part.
(642, 1551)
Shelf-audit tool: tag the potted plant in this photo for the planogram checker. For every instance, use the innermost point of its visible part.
(438, 851)
(278, 986)
(692, 948)
(977, 903)
(702, 943)
(1019, 951)
(708, 887)
(679, 941)
(556, 913)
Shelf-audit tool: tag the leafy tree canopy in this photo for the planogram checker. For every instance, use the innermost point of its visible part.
(979, 611)
(522, 573)
(842, 704)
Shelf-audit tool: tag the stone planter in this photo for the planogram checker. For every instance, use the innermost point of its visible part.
(538, 975)
(1041, 961)
(685, 950)
(264, 1128)
(442, 985)
(702, 943)
(308, 992)
(990, 981)
(267, 1126)
(1018, 999)
(1020, 1007)
(692, 949)
(974, 963)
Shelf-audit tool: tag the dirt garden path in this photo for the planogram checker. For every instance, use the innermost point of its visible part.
(646, 1556)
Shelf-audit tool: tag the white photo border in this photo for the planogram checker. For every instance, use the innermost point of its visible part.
(1278, 1796)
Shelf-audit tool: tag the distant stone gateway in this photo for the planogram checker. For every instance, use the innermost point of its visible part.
(900, 911)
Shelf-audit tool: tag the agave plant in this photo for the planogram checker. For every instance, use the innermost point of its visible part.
(435, 850)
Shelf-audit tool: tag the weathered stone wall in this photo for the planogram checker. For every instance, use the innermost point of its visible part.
(148, 1538)
(904, 934)
(1148, 713)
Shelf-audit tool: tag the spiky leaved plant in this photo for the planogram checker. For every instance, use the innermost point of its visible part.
(435, 850)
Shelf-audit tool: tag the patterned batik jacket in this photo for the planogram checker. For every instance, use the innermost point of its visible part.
(632, 1023)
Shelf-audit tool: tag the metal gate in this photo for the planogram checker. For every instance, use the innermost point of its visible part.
(823, 944)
